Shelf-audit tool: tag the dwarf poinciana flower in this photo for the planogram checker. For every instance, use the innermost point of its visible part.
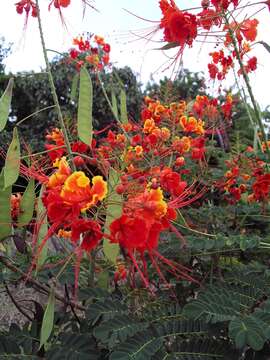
(246, 29)
(178, 26)
(149, 213)
(138, 229)
(208, 18)
(224, 4)
(261, 187)
(26, 6)
(246, 174)
(87, 233)
(192, 125)
(69, 194)
(60, 3)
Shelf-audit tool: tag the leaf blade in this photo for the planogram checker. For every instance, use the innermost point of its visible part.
(5, 103)
(42, 231)
(85, 117)
(114, 210)
(48, 319)
(123, 107)
(12, 162)
(27, 204)
(5, 209)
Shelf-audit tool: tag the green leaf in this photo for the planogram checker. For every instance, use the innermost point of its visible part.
(12, 162)
(85, 126)
(247, 331)
(221, 303)
(145, 344)
(107, 309)
(42, 232)
(118, 329)
(74, 87)
(169, 46)
(73, 346)
(9, 347)
(114, 210)
(114, 104)
(27, 204)
(123, 107)
(5, 208)
(88, 294)
(48, 320)
(5, 103)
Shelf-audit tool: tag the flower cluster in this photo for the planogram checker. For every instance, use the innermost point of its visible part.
(178, 26)
(247, 174)
(91, 49)
(181, 28)
(69, 198)
(56, 147)
(29, 7)
(245, 33)
(152, 159)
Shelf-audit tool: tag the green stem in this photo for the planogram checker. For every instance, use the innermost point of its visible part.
(34, 113)
(107, 98)
(110, 105)
(53, 89)
(246, 79)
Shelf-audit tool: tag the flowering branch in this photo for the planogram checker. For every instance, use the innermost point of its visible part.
(53, 89)
(246, 79)
(37, 284)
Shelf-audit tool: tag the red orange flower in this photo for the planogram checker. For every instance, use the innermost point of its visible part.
(179, 26)
(87, 233)
(77, 190)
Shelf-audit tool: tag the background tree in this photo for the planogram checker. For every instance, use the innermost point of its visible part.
(185, 86)
(32, 94)
(4, 52)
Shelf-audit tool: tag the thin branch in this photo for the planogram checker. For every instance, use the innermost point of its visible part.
(71, 306)
(37, 284)
(16, 303)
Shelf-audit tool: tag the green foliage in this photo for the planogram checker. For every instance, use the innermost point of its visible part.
(199, 349)
(31, 94)
(186, 86)
(145, 345)
(5, 49)
(240, 302)
(73, 346)
(105, 309)
(20, 343)
(117, 330)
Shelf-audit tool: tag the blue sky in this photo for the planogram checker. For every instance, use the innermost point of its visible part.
(117, 26)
